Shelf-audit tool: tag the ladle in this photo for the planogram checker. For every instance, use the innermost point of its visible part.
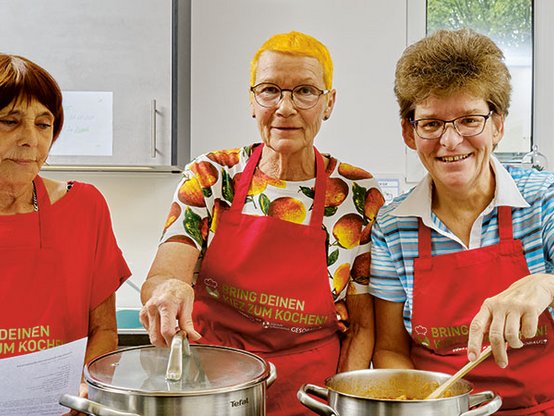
(461, 372)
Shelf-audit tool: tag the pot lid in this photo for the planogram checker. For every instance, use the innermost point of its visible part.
(209, 369)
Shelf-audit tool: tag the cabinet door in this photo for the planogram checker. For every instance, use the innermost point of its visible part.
(121, 51)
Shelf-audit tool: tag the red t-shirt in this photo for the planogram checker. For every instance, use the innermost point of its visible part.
(56, 265)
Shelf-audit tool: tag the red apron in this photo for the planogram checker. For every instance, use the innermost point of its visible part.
(264, 287)
(30, 305)
(449, 290)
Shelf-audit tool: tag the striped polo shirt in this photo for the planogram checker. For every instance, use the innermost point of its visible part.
(395, 233)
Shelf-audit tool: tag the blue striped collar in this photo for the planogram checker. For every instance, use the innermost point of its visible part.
(418, 202)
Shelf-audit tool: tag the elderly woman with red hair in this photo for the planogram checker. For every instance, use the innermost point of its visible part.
(60, 263)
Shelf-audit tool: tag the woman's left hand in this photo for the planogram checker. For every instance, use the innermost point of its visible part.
(510, 314)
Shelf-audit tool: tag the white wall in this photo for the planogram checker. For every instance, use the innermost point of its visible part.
(365, 39)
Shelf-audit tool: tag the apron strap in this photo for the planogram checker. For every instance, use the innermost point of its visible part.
(245, 179)
(505, 230)
(424, 240)
(318, 209)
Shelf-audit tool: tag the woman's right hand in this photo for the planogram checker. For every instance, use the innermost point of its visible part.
(511, 315)
(168, 310)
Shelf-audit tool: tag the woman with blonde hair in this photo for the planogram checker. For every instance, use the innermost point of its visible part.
(283, 232)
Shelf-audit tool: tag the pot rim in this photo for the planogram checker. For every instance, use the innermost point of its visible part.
(150, 393)
(393, 370)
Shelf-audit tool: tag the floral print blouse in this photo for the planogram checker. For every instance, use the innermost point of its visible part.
(352, 201)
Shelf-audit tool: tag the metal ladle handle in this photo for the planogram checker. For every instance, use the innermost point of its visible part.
(174, 370)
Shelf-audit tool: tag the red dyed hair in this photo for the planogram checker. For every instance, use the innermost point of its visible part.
(21, 79)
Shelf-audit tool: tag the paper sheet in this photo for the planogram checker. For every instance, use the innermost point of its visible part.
(88, 124)
(390, 188)
(31, 384)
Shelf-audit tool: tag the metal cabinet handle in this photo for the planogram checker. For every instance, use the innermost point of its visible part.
(153, 126)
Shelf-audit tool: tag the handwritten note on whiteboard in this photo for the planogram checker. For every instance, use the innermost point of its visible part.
(390, 187)
(88, 124)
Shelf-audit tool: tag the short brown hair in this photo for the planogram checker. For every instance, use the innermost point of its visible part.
(447, 62)
(22, 79)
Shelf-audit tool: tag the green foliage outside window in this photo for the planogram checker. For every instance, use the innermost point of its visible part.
(507, 22)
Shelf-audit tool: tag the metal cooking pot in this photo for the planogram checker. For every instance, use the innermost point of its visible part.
(378, 392)
(218, 381)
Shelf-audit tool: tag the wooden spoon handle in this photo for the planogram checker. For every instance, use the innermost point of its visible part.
(461, 372)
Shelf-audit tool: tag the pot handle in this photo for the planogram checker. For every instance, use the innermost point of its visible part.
(494, 403)
(89, 407)
(312, 404)
(174, 370)
(272, 374)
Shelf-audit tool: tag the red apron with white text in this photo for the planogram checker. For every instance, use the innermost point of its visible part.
(30, 306)
(264, 287)
(448, 292)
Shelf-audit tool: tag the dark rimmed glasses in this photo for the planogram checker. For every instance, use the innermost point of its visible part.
(434, 128)
(270, 95)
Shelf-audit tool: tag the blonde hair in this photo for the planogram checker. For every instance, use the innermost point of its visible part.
(300, 44)
(447, 62)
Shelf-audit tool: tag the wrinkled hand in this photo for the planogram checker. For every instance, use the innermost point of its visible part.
(170, 306)
(512, 312)
(342, 316)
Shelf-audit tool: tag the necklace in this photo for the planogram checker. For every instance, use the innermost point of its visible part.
(35, 200)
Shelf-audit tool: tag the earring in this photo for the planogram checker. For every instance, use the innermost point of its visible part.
(253, 115)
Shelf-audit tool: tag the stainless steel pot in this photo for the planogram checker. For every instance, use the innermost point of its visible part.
(375, 393)
(218, 381)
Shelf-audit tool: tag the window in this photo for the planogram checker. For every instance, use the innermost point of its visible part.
(510, 24)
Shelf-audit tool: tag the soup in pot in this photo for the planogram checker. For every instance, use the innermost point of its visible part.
(409, 386)
(422, 392)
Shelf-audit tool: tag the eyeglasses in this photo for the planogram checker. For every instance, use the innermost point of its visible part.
(467, 126)
(270, 95)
